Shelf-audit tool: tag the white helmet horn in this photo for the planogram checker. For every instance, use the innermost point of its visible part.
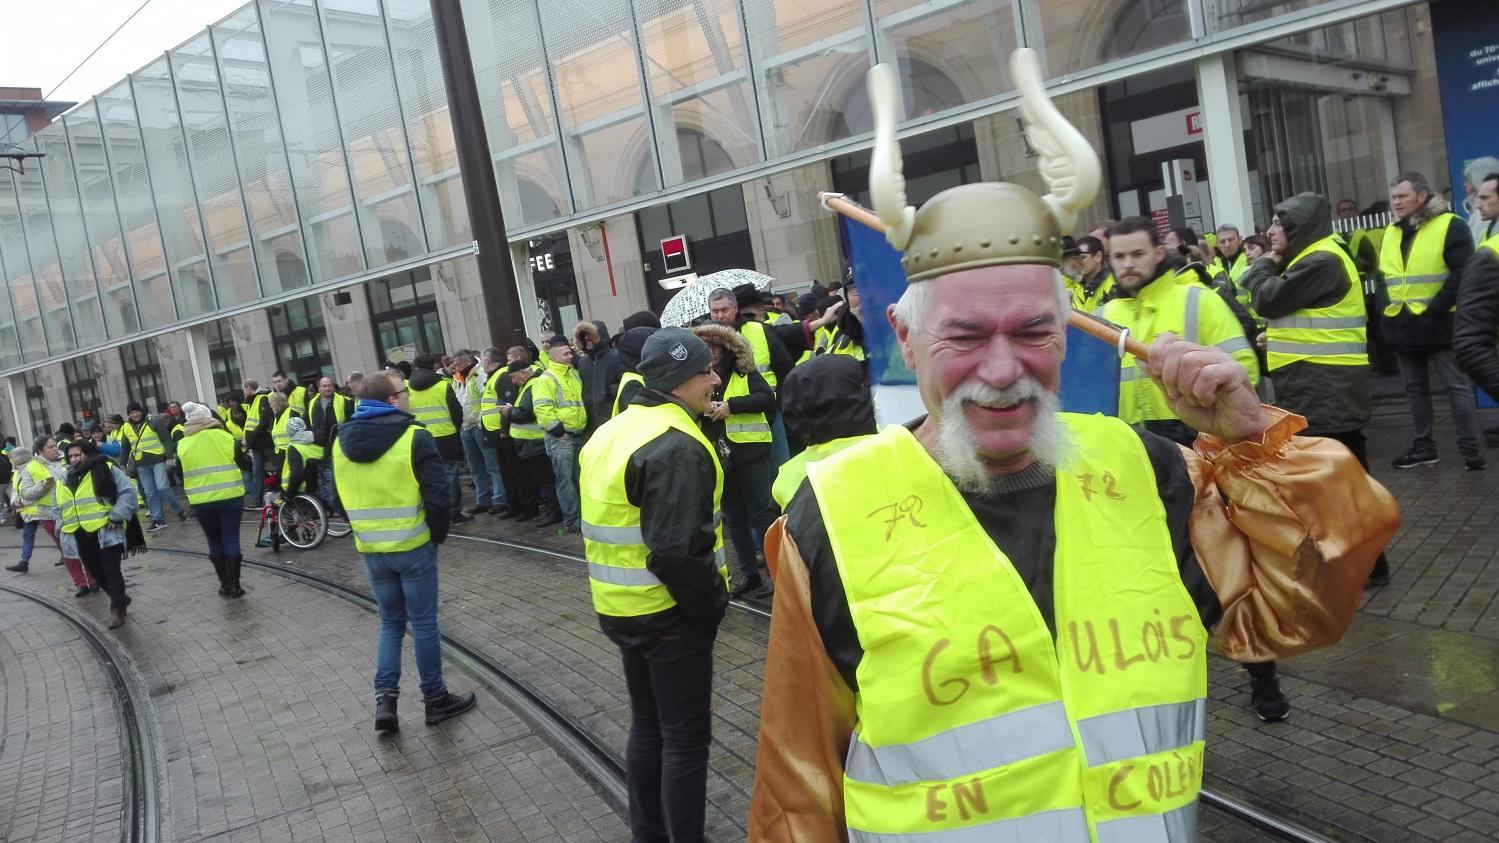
(887, 184)
(1068, 164)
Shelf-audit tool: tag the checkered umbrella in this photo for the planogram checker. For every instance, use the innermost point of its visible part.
(691, 302)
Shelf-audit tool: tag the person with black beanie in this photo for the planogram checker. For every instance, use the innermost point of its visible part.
(100, 539)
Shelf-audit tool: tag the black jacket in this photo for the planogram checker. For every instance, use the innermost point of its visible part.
(599, 369)
(781, 360)
(1477, 328)
(524, 412)
(259, 437)
(1432, 330)
(827, 398)
(1334, 399)
(323, 424)
(451, 447)
(366, 440)
(671, 480)
(737, 356)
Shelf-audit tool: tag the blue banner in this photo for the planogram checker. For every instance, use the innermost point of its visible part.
(1466, 37)
(1090, 372)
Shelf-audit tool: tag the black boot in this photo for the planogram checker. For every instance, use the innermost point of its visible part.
(19, 567)
(746, 585)
(1264, 693)
(231, 576)
(448, 705)
(549, 517)
(218, 569)
(1380, 576)
(385, 714)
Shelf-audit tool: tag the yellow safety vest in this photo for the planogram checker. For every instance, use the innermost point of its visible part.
(558, 396)
(1190, 311)
(40, 473)
(343, 407)
(144, 441)
(252, 412)
(619, 394)
(972, 721)
(834, 341)
(773, 318)
(1413, 282)
(297, 399)
(279, 437)
(1332, 335)
(308, 452)
(235, 430)
(1086, 303)
(383, 499)
(743, 427)
(209, 472)
(430, 406)
(793, 471)
(1239, 266)
(1492, 244)
(526, 431)
(622, 586)
(490, 417)
(80, 508)
(754, 334)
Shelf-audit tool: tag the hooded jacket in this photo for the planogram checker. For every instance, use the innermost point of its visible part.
(827, 398)
(451, 447)
(1334, 399)
(739, 358)
(1474, 339)
(259, 439)
(366, 439)
(600, 368)
(629, 345)
(1432, 330)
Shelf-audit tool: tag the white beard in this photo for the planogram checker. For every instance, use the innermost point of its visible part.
(957, 443)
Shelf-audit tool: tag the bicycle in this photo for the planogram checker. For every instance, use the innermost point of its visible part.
(300, 520)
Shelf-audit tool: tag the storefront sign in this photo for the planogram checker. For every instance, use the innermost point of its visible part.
(674, 254)
(1466, 37)
(1166, 131)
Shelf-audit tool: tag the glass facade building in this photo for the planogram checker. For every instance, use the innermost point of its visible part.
(298, 147)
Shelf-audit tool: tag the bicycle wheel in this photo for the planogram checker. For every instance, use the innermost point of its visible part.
(302, 521)
(339, 526)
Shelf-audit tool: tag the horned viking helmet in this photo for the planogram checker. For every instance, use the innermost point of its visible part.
(990, 223)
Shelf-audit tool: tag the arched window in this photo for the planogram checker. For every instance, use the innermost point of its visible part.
(701, 156)
(1144, 25)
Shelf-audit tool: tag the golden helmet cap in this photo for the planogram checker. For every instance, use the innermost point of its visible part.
(990, 223)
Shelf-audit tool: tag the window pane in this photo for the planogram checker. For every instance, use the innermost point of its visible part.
(318, 168)
(592, 50)
(364, 88)
(728, 210)
(810, 61)
(67, 223)
(948, 54)
(1227, 14)
(1083, 35)
(45, 266)
(101, 222)
(13, 255)
(132, 188)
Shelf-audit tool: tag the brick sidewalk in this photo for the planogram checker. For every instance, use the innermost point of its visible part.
(60, 771)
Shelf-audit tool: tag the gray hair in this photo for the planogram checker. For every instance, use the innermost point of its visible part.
(1228, 226)
(494, 355)
(251, 383)
(914, 303)
(277, 401)
(1478, 170)
(20, 455)
(1418, 182)
(722, 294)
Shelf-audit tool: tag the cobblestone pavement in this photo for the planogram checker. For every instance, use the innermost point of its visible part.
(60, 770)
(264, 712)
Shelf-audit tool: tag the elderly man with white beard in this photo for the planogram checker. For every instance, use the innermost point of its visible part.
(992, 622)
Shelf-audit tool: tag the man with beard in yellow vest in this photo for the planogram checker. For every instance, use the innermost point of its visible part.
(992, 623)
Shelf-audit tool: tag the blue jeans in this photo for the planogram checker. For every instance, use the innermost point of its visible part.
(780, 446)
(255, 483)
(405, 586)
(483, 468)
(220, 523)
(28, 539)
(454, 470)
(155, 487)
(563, 452)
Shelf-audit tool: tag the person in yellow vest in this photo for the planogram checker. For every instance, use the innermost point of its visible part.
(629, 345)
(209, 456)
(395, 491)
(147, 459)
(533, 466)
(956, 677)
(1422, 257)
(499, 448)
(296, 394)
(737, 424)
(1231, 253)
(652, 483)
(96, 504)
(1095, 283)
(281, 412)
(773, 359)
(557, 399)
(470, 377)
(38, 474)
(828, 407)
(843, 333)
(435, 404)
(258, 444)
(1153, 300)
(1477, 330)
(1309, 290)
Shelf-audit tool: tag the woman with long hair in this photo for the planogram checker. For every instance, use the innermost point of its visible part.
(97, 502)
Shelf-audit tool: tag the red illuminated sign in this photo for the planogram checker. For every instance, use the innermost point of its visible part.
(674, 254)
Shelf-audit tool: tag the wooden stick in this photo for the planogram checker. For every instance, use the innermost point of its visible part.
(1085, 322)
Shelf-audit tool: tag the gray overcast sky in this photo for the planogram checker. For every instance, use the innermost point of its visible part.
(45, 39)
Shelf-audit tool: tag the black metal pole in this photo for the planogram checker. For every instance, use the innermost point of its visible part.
(502, 303)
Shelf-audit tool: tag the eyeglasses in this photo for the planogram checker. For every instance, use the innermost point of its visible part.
(398, 393)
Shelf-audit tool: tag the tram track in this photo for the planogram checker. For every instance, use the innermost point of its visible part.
(139, 805)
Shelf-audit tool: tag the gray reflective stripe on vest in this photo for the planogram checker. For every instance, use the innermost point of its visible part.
(964, 750)
(1316, 349)
(1178, 826)
(1229, 346)
(1194, 296)
(214, 487)
(541, 402)
(614, 575)
(1142, 731)
(1068, 825)
(1417, 279)
(747, 428)
(763, 369)
(1319, 322)
(518, 426)
(613, 535)
(385, 512)
(213, 469)
(390, 535)
(492, 411)
(1128, 373)
(720, 558)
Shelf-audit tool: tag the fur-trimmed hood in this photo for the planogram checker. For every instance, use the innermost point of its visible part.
(588, 334)
(1435, 207)
(731, 341)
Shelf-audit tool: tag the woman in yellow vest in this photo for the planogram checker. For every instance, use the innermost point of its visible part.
(38, 474)
(210, 459)
(738, 425)
(97, 506)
